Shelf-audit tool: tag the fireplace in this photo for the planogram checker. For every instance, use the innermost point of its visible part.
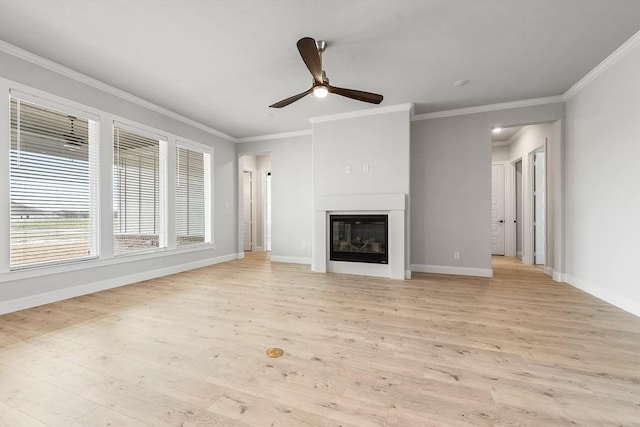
(359, 238)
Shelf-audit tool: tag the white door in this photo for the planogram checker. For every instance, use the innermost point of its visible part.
(539, 203)
(497, 209)
(246, 206)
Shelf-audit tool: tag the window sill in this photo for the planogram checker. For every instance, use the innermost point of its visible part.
(45, 270)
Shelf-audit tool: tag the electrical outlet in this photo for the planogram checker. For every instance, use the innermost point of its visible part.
(365, 168)
(347, 169)
(456, 255)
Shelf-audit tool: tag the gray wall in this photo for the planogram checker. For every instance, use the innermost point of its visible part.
(451, 184)
(603, 184)
(380, 141)
(224, 191)
(292, 203)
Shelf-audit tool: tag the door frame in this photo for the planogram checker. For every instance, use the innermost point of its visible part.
(532, 228)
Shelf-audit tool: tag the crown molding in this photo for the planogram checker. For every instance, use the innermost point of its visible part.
(363, 113)
(274, 136)
(90, 81)
(607, 63)
(489, 107)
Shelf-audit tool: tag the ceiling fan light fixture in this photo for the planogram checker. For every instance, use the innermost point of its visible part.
(496, 129)
(320, 91)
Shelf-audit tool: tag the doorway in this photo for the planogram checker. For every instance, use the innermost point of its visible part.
(538, 192)
(247, 205)
(519, 221)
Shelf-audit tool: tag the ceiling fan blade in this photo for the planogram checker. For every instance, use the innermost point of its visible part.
(309, 53)
(288, 101)
(359, 95)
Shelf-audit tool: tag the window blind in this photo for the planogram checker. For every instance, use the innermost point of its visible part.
(53, 185)
(192, 196)
(138, 175)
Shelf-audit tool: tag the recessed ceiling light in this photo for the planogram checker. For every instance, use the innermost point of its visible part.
(496, 129)
(461, 82)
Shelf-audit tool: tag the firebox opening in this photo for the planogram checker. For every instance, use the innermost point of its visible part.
(359, 238)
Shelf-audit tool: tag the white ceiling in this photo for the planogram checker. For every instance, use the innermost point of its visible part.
(504, 135)
(222, 62)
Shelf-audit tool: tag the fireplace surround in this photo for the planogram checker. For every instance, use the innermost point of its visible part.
(391, 205)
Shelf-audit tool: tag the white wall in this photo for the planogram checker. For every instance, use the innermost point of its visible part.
(291, 198)
(603, 184)
(18, 290)
(451, 185)
(500, 153)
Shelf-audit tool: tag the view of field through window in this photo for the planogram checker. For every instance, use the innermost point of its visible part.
(50, 185)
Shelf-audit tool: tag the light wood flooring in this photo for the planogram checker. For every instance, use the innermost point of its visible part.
(189, 350)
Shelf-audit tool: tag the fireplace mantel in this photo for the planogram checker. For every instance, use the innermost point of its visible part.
(394, 205)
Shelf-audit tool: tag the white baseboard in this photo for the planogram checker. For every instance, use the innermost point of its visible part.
(548, 271)
(291, 259)
(407, 274)
(259, 249)
(519, 254)
(30, 301)
(240, 255)
(446, 269)
(613, 298)
(559, 277)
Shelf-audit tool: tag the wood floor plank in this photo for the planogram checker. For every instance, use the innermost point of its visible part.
(189, 349)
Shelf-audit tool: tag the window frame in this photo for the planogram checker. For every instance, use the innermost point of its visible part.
(104, 196)
(208, 159)
(163, 178)
(61, 105)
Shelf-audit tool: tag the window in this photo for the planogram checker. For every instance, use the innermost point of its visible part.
(138, 191)
(193, 179)
(53, 184)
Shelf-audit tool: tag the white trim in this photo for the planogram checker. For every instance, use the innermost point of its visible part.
(291, 259)
(139, 129)
(609, 61)
(75, 291)
(274, 136)
(83, 78)
(240, 255)
(52, 102)
(447, 269)
(407, 274)
(47, 270)
(362, 113)
(613, 298)
(490, 107)
(549, 271)
(559, 277)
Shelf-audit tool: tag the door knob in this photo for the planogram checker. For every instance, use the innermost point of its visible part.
(501, 221)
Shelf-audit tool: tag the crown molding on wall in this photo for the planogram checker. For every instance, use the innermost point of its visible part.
(609, 61)
(489, 107)
(90, 81)
(274, 136)
(363, 113)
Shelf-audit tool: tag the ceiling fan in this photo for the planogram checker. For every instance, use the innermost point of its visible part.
(311, 52)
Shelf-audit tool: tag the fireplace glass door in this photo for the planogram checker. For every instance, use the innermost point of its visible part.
(359, 238)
